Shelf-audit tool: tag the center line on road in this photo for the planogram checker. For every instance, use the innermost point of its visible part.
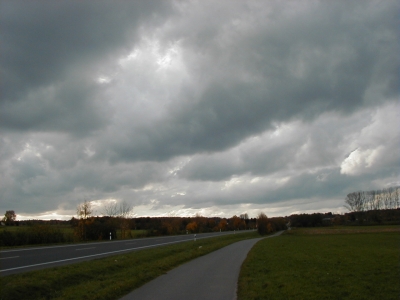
(85, 248)
(9, 257)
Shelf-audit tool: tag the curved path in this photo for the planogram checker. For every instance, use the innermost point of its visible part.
(213, 276)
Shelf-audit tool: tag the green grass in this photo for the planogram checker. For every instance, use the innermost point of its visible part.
(112, 277)
(324, 263)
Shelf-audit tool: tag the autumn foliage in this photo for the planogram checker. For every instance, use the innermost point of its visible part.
(192, 227)
(267, 225)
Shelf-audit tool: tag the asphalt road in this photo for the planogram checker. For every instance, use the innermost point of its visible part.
(213, 276)
(28, 259)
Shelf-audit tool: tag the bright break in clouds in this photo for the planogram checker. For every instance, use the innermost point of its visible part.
(185, 107)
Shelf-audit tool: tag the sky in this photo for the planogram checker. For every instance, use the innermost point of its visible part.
(179, 108)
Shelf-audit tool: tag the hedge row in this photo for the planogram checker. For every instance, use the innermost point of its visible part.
(40, 234)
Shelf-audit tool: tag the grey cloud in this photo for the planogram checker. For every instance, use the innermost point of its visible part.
(203, 103)
(42, 40)
(295, 66)
(303, 185)
(68, 108)
(50, 49)
(48, 170)
(31, 186)
(293, 147)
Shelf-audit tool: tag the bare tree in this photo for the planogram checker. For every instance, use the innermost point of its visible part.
(125, 212)
(111, 209)
(350, 202)
(370, 199)
(355, 201)
(396, 197)
(362, 205)
(375, 200)
(391, 198)
(84, 210)
(387, 198)
(121, 213)
(244, 216)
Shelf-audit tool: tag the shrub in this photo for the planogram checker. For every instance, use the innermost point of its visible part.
(32, 235)
(262, 224)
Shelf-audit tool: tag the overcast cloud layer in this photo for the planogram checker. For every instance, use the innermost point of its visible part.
(184, 107)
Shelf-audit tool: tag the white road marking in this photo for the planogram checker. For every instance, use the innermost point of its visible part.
(105, 253)
(74, 245)
(93, 255)
(77, 245)
(85, 248)
(9, 257)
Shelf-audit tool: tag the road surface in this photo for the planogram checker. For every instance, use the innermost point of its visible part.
(213, 276)
(28, 259)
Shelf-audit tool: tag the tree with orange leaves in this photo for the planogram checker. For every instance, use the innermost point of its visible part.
(192, 227)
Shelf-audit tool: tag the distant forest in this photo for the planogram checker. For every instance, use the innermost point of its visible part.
(376, 207)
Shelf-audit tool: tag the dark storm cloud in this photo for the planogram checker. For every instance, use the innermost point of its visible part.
(49, 50)
(277, 66)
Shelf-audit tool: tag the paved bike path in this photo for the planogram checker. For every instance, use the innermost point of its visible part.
(213, 276)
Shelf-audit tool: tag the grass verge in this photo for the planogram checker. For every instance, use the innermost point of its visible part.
(111, 277)
(324, 263)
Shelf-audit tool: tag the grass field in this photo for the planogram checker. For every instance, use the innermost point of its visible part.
(112, 277)
(324, 263)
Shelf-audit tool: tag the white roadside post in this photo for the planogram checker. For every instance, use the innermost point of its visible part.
(194, 237)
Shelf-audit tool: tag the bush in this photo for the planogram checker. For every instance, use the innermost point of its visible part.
(262, 224)
(33, 235)
(95, 229)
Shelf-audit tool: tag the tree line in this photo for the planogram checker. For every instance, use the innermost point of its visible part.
(315, 220)
(116, 222)
(370, 217)
(387, 198)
